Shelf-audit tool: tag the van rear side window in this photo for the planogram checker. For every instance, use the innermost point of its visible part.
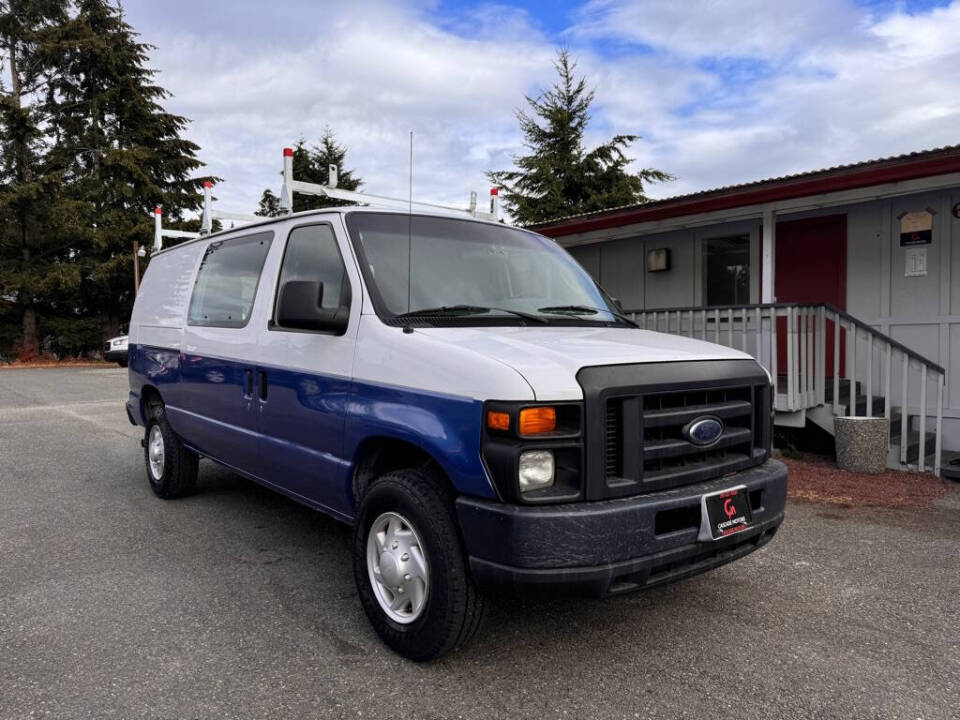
(227, 281)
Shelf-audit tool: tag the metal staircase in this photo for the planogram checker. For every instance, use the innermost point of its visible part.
(827, 364)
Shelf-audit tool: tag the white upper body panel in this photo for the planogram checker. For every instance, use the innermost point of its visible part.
(549, 358)
(482, 363)
(432, 363)
(161, 306)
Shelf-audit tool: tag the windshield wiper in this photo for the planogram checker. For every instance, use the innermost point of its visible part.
(459, 310)
(584, 310)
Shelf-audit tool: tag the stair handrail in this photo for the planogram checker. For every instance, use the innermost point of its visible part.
(805, 362)
(783, 305)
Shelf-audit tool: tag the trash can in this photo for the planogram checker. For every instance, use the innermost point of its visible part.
(862, 444)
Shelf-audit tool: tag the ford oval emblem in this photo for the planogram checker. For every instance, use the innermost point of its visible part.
(704, 430)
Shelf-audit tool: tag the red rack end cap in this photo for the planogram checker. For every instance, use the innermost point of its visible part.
(494, 191)
(288, 152)
(158, 210)
(207, 183)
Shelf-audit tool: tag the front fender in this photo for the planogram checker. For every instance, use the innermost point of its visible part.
(447, 427)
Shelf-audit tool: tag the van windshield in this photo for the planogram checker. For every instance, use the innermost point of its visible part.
(438, 270)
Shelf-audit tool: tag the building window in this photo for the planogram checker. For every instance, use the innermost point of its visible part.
(726, 270)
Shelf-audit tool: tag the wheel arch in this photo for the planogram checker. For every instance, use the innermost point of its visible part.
(380, 454)
(149, 395)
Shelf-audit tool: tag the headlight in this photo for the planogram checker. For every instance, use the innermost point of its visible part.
(535, 470)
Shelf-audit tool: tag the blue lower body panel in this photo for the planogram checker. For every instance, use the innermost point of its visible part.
(306, 436)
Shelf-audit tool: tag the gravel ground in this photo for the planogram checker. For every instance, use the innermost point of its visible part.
(818, 479)
(238, 603)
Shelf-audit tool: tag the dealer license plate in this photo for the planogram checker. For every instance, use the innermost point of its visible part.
(724, 513)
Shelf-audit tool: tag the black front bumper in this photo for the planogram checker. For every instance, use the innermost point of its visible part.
(613, 546)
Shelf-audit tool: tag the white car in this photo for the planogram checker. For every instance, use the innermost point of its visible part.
(464, 395)
(116, 350)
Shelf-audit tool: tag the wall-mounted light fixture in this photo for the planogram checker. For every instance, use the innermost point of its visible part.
(658, 260)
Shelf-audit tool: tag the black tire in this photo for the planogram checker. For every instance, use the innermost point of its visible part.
(179, 474)
(453, 609)
(122, 362)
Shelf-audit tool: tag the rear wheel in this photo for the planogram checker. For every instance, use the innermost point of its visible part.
(171, 467)
(410, 567)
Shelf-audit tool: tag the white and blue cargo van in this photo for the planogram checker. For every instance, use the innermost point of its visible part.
(463, 394)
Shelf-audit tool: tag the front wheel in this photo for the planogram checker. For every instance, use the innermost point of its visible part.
(410, 567)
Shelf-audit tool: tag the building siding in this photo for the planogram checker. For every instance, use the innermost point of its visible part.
(922, 312)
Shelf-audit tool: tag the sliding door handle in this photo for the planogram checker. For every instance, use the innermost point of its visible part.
(248, 383)
(263, 384)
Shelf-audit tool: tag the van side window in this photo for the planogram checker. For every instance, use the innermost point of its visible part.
(312, 254)
(227, 281)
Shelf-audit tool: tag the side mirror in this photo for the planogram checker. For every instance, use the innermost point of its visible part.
(300, 307)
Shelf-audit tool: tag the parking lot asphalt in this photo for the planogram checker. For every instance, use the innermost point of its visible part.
(237, 602)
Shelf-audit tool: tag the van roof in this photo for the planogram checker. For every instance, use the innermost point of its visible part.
(339, 210)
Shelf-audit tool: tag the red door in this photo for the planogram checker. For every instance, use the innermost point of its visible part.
(811, 267)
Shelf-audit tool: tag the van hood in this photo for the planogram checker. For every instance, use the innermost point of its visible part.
(550, 357)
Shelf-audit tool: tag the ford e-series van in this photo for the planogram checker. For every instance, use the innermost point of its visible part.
(462, 393)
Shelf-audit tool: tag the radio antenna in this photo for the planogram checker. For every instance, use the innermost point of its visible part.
(410, 189)
(410, 227)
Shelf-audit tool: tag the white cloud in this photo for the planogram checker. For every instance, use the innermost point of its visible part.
(885, 86)
(834, 84)
(373, 73)
(706, 28)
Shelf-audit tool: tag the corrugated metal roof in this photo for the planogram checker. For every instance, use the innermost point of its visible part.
(753, 184)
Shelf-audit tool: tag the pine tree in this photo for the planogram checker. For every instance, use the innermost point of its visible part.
(312, 164)
(32, 254)
(122, 152)
(559, 176)
(269, 205)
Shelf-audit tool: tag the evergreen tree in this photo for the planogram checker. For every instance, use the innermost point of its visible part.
(312, 164)
(269, 205)
(559, 176)
(32, 252)
(123, 154)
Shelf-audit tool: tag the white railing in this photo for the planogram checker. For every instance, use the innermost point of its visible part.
(792, 341)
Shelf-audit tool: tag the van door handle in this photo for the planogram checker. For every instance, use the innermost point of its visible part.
(248, 383)
(263, 385)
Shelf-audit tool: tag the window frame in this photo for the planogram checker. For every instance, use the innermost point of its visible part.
(256, 290)
(389, 318)
(272, 324)
(745, 235)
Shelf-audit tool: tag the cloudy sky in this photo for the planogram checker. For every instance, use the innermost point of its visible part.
(720, 92)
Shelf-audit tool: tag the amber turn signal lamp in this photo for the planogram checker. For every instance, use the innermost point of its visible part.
(498, 420)
(538, 420)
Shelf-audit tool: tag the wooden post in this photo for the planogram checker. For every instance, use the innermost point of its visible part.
(768, 255)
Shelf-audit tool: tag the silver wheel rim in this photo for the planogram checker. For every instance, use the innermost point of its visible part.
(155, 452)
(397, 566)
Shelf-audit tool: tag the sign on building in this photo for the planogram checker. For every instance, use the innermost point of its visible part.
(916, 228)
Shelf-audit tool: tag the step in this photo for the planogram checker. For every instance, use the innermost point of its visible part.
(951, 466)
(877, 409)
(913, 446)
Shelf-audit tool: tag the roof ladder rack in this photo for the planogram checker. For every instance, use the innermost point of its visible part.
(206, 223)
(159, 232)
(291, 185)
(209, 214)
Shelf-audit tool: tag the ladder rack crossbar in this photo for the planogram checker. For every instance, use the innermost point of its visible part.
(291, 185)
(209, 214)
(160, 232)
